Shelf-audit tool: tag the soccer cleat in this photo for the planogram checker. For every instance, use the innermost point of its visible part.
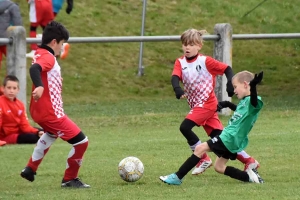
(2, 143)
(28, 174)
(259, 177)
(64, 50)
(202, 165)
(251, 164)
(74, 183)
(253, 177)
(30, 54)
(171, 179)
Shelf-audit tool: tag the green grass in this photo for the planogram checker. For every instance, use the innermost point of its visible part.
(125, 115)
(149, 131)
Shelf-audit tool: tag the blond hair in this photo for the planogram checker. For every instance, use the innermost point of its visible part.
(192, 37)
(243, 76)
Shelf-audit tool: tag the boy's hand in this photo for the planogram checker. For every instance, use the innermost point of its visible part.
(40, 133)
(37, 93)
(257, 79)
(179, 93)
(229, 89)
(221, 105)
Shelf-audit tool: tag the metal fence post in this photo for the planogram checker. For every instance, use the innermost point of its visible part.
(223, 53)
(16, 58)
(141, 67)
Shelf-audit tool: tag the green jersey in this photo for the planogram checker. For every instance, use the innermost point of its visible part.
(235, 134)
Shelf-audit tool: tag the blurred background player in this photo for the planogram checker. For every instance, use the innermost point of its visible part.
(9, 16)
(46, 109)
(40, 14)
(198, 74)
(57, 6)
(14, 124)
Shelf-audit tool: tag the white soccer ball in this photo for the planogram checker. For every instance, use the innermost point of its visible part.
(131, 169)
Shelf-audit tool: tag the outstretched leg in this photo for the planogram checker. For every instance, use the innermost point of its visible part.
(246, 176)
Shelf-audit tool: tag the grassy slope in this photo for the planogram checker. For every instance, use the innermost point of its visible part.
(107, 71)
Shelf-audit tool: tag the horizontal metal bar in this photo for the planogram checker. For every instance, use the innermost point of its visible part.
(123, 39)
(265, 36)
(159, 38)
(6, 41)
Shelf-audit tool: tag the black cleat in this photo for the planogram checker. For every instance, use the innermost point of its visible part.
(28, 174)
(75, 183)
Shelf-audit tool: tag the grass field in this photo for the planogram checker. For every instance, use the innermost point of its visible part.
(125, 115)
(149, 130)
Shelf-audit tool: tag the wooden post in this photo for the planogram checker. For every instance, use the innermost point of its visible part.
(223, 53)
(16, 58)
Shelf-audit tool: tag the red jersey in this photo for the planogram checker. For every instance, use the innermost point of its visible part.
(50, 106)
(13, 118)
(199, 78)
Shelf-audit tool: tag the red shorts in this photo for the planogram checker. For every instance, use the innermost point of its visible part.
(63, 127)
(207, 118)
(41, 13)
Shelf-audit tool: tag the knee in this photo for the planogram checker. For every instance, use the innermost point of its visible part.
(183, 128)
(219, 168)
(199, 150)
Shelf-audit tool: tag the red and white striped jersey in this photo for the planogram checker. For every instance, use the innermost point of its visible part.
(199, 78)
(50, 105)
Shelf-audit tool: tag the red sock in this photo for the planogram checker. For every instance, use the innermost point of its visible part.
(204, 156)
(74, 160)
(32, 34)
(34, 163)
(243, 159)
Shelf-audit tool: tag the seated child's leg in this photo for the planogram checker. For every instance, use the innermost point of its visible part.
(28, 138)
(11, 139)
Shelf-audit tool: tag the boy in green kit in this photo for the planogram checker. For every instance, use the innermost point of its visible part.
(234, 138)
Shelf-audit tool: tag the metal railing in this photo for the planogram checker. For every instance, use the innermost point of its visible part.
(222, 37)
(159, 38)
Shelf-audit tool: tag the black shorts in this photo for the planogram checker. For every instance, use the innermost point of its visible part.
(216, 145)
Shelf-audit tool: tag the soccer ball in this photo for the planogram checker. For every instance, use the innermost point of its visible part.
(131, 169)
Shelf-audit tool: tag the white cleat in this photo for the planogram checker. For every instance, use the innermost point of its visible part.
(202, 165)
(253, 178)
